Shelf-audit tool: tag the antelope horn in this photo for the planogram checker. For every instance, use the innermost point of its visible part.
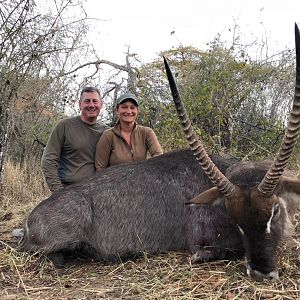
(271, 179)
(208, 166)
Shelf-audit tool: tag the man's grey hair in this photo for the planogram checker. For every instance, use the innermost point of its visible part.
(89, 89)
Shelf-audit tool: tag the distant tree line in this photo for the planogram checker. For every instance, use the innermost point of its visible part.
(237, 104)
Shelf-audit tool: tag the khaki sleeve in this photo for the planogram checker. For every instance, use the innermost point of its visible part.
(103, 151)
(50, 158)
(153, 145)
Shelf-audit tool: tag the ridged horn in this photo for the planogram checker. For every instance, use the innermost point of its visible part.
(271, 179)
(208, 166)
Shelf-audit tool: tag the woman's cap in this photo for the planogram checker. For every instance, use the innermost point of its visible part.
(128, 96)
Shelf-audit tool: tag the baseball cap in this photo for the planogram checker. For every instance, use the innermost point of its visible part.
(128, 96)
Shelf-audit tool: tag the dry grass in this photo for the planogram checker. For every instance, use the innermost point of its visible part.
(167, 276)
(23, 188)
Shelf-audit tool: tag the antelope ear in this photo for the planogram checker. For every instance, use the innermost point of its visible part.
(289, 185)
(209, 197)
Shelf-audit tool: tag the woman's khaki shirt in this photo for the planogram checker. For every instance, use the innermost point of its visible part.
(112, 148)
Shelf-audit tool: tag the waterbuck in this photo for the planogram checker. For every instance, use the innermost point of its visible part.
(128, 209)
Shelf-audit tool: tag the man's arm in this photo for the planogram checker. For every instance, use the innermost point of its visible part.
(51, 157)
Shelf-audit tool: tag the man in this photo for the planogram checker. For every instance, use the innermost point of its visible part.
(69, 155)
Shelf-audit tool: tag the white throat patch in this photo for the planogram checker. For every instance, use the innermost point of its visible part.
(268, 229)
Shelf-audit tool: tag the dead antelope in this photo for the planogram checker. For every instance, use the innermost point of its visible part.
(129, 209)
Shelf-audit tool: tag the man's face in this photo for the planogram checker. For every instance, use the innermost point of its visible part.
(90, 106)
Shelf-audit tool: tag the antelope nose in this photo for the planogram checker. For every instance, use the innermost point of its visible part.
(257, 275)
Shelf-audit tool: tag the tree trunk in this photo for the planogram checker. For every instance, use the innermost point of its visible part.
(3, 143)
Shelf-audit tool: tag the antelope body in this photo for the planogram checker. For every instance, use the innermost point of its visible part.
(123, 210)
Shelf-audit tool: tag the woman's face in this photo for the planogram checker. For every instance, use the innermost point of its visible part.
(127, 112)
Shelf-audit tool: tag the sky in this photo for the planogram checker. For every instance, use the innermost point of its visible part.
(149, 27)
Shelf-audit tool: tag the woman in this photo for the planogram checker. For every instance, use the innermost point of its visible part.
(126, 141)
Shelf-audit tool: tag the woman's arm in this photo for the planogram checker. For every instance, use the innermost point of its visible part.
(103, 151)
(153, 145)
